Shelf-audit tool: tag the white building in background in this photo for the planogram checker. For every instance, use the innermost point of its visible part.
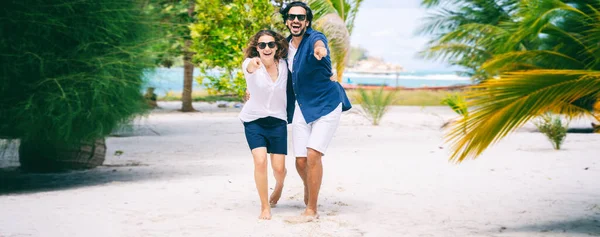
(375, 66)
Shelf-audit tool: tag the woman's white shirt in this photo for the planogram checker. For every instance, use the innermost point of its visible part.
(267, 97)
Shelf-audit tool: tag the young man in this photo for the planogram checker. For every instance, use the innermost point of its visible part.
(318, 101)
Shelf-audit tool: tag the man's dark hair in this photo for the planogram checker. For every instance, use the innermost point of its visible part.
(286, 8)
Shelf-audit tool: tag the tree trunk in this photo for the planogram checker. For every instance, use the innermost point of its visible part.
(188, 70)
(48, 156)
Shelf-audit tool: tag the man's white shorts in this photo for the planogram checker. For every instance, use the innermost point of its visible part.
(315, 135)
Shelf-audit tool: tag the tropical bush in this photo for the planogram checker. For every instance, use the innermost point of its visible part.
(71, 72)
(553, 128)
(221, 33)
(375, 103)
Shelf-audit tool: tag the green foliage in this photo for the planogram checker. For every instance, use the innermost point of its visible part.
(553, 128)
(467, 33)
(234, 84)
(220, 35)
(375, 103)
(500, 106)
(531, 56)
(457, 103)
(71, 70)
(200, 95)
(173, 22)
(422, 97)
(336, 20)
(345, 9)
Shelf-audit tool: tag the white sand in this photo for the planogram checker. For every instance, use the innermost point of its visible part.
(192, 175)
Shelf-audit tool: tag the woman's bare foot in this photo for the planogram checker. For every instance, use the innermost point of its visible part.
(265, 214)
(276, 195)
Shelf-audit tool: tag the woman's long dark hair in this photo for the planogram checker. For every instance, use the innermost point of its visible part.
(282, 45)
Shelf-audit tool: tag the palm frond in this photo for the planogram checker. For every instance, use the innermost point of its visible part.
(484, 36)
(502, 105)
(335, 18)
(321, 8)
(352, 12)
(456, 51)
(346, 9)
(591, 39)
(538, 15)
(440, 22)
(435, 3)
(543, 59)
(457, 103)
(339, 40)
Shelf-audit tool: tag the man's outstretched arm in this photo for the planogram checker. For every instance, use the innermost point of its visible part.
(320, 50)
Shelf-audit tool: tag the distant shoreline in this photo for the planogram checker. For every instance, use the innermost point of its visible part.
(171, 79)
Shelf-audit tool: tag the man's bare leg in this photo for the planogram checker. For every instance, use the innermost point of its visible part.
(313, 179)
(260, 177)
(301, 168)
(279, 171)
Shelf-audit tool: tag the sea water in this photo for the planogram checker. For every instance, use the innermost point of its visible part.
(171, 79)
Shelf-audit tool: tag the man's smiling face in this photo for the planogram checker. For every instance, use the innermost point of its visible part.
(296, 21)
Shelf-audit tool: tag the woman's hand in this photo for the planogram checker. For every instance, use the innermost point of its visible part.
(254, 64)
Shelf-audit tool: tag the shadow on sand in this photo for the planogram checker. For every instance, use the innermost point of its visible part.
(588, 226)
(14, 181)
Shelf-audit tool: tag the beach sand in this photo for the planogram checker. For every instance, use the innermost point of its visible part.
(191, 174)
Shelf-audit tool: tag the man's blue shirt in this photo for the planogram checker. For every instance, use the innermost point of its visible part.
(309, 83)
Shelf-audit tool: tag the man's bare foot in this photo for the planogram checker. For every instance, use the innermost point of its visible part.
(310, 213)
(307, 216)
(265, 214)
(305, 195)
(275, 195)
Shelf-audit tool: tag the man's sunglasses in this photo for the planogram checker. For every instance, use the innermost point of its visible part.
(262, 45)
(300, 17)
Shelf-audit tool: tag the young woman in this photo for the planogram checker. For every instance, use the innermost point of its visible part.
(264, 114)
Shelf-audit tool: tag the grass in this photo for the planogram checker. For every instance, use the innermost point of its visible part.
(413, 97)
(199, 96)
(402, 97)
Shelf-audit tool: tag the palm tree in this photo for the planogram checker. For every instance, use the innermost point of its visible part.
(559, 72)
(188, 66)
(174, 17)
(335, 18)
(466, 32)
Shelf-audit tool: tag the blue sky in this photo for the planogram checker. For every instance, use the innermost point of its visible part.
(386, 28)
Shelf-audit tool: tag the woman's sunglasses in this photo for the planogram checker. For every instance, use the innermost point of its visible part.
(300, 17)
(262, 45)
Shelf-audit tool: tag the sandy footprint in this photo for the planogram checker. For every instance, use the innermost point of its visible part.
(332, 213)
(300, 219)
